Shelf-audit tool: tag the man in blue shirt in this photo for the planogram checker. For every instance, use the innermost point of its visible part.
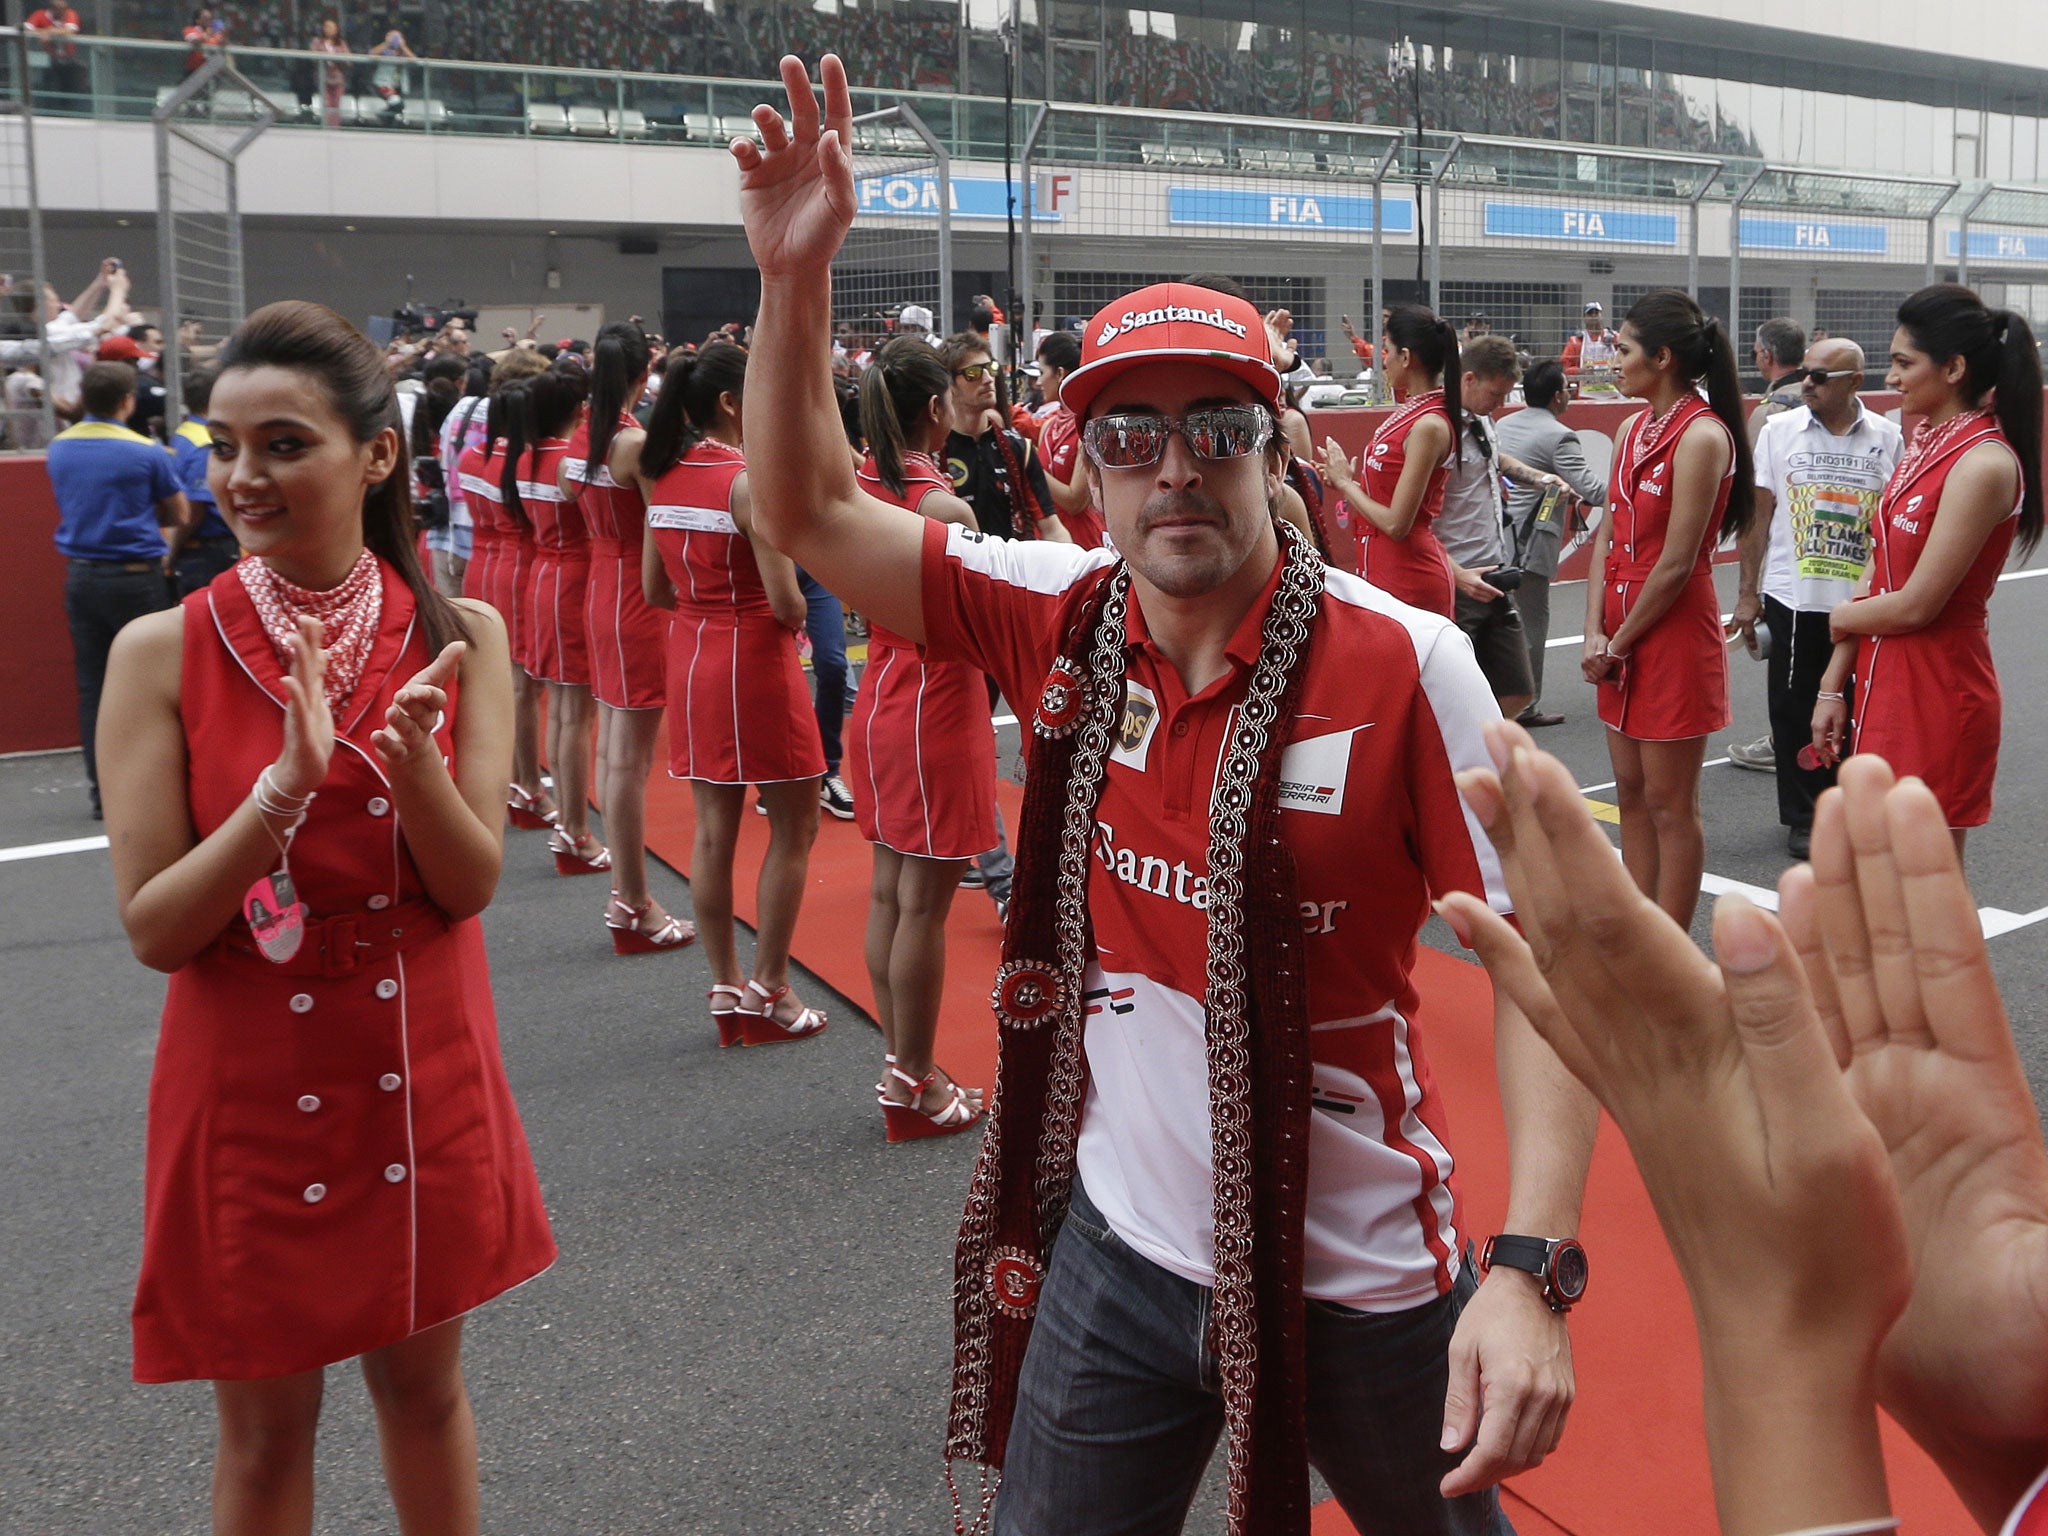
(211, 548)
(120, 514)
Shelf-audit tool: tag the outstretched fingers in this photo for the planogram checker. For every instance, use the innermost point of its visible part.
(1791, 1064)
(1802, 926)
(1866, 783)
(1514, 971)
(838, 99)
(1958, 992)
(1838, 911)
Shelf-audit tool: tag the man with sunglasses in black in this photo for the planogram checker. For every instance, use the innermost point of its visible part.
(1820, 468)
(1215, 1194)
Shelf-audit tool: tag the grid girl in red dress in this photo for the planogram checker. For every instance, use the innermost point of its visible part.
(626, 635)
(1654, 644)
(303, 838)
(1926, 696)
(739, 712)
(921, 761)
(1397, 488)
(533, 421)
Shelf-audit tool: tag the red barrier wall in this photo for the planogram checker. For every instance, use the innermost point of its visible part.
(38, 701)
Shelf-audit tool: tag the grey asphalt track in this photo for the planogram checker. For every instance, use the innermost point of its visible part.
(748, 1331)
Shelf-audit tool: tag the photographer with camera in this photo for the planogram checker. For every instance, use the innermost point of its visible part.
(1474, 527)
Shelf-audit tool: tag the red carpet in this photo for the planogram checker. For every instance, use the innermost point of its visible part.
(1634, 1458)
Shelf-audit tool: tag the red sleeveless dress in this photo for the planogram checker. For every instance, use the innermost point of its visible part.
(335, 1161)
(739, 711)
(1928, 702)
(1414, 569)
(1674, 683)
(920, 751)
(560, 583)
(501, 556)
(626, 634)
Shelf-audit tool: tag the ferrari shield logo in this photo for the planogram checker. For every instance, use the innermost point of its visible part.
(1134, 731)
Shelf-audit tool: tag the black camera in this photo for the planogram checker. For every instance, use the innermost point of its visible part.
(1505, 578)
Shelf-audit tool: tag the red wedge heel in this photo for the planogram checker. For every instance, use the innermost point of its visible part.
(761, 1027)
(576, 858)
(629, 937)
(727, 1019)
(523, 811)
(958, 1111)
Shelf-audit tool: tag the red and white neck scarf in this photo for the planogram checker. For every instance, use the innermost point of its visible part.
(348, 615)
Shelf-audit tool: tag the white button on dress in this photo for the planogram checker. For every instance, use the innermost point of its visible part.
(379, 902)
(387, 989)
(378, 806)
(309, 1102)
(389, 1082)
(302, 1002)
(395, 1173)
(315, 1193)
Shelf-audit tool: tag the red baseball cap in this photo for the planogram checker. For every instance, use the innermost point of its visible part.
(1173, 321)
(121, 349)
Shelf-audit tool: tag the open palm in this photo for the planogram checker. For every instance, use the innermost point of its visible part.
(1906, 989)
(796, 184)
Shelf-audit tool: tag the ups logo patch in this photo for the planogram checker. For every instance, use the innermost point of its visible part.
(1134, 731)
(1138, 715)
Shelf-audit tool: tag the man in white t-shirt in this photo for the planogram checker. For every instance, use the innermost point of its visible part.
(1215, 1196)
(1820, 468)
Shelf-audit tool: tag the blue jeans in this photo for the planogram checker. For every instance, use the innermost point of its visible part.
(825, 622)
(1118, 1408)
(100, 597)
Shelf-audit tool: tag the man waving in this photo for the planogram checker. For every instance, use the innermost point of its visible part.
(1216, 1193)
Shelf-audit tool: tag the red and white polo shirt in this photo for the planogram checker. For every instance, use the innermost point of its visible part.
(1392, 705)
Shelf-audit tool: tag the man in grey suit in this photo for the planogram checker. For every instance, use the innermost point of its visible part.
(1539, 438)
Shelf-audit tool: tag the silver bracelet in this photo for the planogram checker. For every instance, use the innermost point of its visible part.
(272, 801)
(1832, 698)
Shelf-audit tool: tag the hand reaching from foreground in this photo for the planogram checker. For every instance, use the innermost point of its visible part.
(1905, 989)
(1774, 1191)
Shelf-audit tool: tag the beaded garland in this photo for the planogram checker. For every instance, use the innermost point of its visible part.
(348, 615)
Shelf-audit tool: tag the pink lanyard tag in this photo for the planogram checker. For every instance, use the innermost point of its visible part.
(276, 916)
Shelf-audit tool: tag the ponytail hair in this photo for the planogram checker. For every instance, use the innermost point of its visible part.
(1415, 328)
(687, 406)
(312, 339)
(525, 415)
(1999, 359)
(1668, 319)
(618, 365)
(896, 391)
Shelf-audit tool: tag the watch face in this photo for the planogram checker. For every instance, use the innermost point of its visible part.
(1568, 1272)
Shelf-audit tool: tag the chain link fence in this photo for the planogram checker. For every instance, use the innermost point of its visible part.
(2000, 244)
(202, 129)
(900, 248)
(26, 417)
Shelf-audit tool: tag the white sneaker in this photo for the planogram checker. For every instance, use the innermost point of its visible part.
(1758, 755)
(834, 796)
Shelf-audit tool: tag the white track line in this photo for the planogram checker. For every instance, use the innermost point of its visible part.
(44, 850)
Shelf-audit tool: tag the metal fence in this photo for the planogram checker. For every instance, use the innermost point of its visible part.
(202, 128)
(900, 248)
(26, 417)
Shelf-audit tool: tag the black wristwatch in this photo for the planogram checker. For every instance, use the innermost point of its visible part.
(1560, 1263)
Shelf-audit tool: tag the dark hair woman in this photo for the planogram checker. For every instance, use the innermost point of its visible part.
(1653, 624)
(921, 760)
(302, 798)
(536, 418)
(498, 574)
(1969, 488)
(1398, 487)
(626, 635)
(739, 712)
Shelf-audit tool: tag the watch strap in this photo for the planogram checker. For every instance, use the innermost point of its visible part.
(1518, 1252)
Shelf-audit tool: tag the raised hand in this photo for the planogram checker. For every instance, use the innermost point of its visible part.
(1905, 988)
(407, 736)
(796, 184)
(1336, 463)
(1773, 1189)
(308, 726)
